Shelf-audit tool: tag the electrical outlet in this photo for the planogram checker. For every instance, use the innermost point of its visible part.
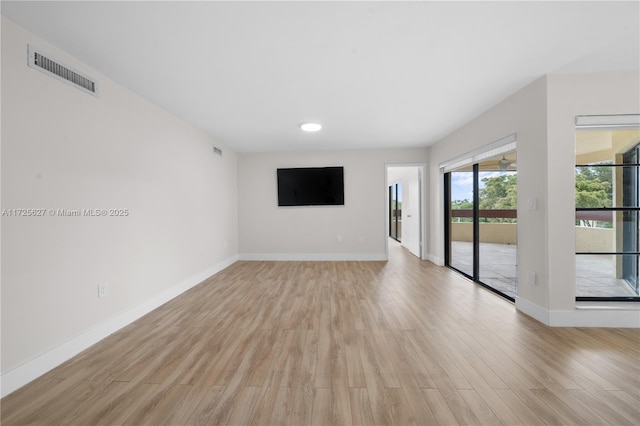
(531, 278)
(102, 290)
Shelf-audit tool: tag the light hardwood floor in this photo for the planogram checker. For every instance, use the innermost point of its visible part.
(400, 342)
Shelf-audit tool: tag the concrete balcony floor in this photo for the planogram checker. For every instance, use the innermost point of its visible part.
(595, 277)
(497, 264)
(594, 274)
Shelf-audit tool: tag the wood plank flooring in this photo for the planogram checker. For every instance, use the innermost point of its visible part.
(388, 343)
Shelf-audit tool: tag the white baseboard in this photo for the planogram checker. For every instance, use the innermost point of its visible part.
(36, 367)
(602, 316)
(435, 259)
(596, 314)
(313, 256)
(534, 311)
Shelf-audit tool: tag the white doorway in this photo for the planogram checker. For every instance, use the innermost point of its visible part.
(404, 207)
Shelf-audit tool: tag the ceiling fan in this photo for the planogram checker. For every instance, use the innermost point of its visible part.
(504, 164)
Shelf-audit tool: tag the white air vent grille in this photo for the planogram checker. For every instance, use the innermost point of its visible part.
(217, 150)
(44, 63)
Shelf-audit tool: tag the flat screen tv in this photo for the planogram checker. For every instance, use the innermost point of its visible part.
(311, 186)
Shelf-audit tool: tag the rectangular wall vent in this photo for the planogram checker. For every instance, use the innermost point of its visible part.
(217, 151)
(49, 66)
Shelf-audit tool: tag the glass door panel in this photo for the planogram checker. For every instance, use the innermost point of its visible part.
(498, 227)
(461, 221)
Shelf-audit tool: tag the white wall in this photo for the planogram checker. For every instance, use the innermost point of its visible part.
(543, 117)
(65, 149)
(355, 231)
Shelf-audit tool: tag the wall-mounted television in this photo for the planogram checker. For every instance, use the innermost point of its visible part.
(311, 186)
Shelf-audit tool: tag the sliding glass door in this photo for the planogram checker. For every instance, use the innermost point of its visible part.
(481, 223)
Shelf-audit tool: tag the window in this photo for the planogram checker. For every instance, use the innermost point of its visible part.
(607, 195)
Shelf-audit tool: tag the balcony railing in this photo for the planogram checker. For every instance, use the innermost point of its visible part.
(599, 215)
(495, 214)
(587, 238)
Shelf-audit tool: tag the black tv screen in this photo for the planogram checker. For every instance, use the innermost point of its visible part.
(311, 186)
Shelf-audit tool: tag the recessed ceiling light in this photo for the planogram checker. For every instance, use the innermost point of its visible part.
(311, 127)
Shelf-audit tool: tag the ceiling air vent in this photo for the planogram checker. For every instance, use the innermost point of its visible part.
(217, 150)
(49, 66)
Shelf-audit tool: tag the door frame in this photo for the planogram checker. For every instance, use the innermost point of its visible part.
(422, 168)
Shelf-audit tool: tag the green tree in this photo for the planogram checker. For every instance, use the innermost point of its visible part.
(594, 189)
(462, 204)
(498, 193)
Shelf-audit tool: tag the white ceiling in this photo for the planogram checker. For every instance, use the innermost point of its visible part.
(375, 74)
